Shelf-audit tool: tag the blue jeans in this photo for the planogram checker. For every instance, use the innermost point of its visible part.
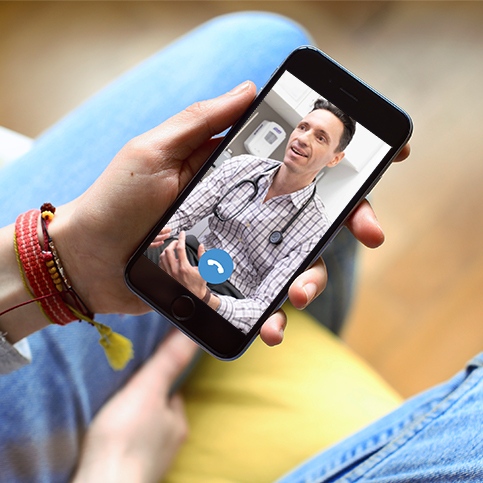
(436, 436)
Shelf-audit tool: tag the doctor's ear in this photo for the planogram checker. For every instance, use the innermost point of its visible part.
(337, 159)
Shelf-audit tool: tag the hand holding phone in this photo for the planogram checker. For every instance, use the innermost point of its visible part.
(118, 210)
(270, 216)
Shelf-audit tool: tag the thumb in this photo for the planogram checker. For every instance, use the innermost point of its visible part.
(185, 132)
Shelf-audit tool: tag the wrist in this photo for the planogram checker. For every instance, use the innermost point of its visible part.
(94, 258)
(34, 277)
(67, 244)
(207, 296)
(214, 301)
(42, 270)
(32, 272)
(211, 299)
(27, 319)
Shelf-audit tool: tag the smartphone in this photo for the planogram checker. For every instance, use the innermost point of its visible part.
(267, 202)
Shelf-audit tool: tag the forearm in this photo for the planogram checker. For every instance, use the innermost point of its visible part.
(24, 320)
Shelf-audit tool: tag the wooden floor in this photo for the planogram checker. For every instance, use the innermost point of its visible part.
(418, 312)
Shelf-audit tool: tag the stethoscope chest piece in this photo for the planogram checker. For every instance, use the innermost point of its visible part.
(276, 237)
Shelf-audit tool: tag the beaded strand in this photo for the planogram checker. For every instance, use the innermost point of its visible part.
(46, 282)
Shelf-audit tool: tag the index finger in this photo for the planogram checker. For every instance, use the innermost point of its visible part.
(168, 362)
(181, 248)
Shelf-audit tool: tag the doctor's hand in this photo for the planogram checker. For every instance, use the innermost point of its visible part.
(161, 237)
(175, 262)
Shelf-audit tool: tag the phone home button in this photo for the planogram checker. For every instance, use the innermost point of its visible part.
(183, 308)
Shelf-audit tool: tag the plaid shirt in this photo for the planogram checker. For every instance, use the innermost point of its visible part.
(261, 269)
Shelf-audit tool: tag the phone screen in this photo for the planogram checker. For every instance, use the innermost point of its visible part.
(267, 201)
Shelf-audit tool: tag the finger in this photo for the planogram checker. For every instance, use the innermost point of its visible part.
(185, 132)
(363, 222)
(164, 262)
(201, 250)
(174, 355)
(364, 226)
(176, 404)
(161, 237)
(170, 259)
(168, 362)
(273, 329)
(181, 249)
(308, 285)
(156, 243)
(404, 153)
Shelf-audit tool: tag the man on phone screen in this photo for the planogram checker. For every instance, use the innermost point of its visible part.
(281, 197)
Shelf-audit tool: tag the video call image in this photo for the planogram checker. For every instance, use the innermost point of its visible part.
(269, 198)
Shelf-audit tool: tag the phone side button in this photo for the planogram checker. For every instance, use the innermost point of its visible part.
(183, 308)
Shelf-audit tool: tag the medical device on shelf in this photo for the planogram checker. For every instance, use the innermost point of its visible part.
(265, 139)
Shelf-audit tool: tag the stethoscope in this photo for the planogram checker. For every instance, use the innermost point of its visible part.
(276, 237)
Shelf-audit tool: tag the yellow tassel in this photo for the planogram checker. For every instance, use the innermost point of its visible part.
(118, 349)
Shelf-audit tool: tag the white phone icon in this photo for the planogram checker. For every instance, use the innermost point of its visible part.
(218, 265)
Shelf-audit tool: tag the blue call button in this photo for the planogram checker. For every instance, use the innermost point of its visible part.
(215, 266)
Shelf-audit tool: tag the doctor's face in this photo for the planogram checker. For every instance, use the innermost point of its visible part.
(313, 143)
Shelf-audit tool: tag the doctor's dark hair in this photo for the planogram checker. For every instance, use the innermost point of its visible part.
(347, 121)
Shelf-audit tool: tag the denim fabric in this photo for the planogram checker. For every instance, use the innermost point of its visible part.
(45, 407)
(436, 436)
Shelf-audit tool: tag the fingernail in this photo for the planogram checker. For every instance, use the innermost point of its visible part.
(376, 222)
(240, 88)
(310, 290)
(381, 231)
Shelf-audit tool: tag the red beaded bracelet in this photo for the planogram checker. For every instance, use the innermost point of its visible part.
(45, 280)
(39, 269)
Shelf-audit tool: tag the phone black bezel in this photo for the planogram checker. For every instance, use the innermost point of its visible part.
(351, 95)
